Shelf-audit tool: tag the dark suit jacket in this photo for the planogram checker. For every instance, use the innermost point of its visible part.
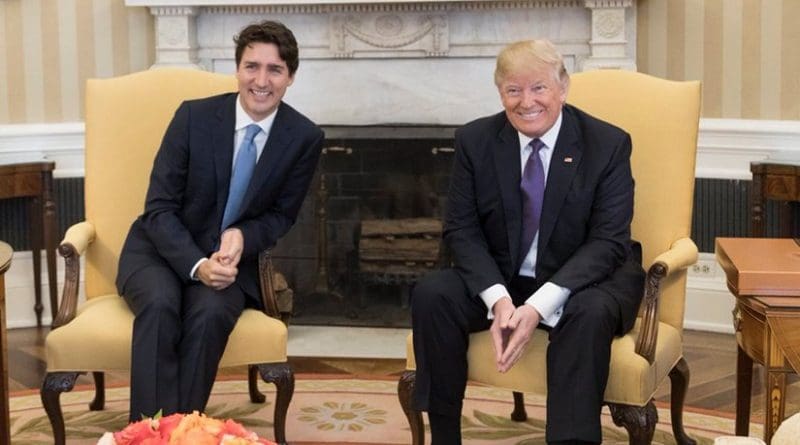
(584, 234)
(189, 189)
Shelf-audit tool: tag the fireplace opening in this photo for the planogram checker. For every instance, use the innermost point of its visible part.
(370, 225)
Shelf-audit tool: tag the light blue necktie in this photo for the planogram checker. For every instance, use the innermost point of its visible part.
(242, 172)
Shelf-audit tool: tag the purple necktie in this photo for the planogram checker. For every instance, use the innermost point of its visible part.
(532, 188)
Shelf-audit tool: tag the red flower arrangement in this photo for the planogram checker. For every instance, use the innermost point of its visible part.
(183, 429)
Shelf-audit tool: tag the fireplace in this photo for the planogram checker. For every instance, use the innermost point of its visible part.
(384, 173)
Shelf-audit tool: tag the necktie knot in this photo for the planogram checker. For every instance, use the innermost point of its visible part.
(536, 145)
(250, 135)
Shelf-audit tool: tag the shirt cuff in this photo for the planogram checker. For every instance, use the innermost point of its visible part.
(491, 295)
(194, 269)
(549, 302)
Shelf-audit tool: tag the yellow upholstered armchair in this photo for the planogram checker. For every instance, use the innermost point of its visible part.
(662, 118)
(125, 120)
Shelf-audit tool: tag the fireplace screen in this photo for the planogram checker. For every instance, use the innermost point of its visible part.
(370, 225)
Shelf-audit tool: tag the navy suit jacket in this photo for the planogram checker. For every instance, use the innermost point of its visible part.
(584, 234)
(189, 189)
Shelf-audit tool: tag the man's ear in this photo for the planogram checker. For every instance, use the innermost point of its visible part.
(564, 90)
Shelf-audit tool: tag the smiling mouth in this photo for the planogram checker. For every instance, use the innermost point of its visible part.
(260, 93)
(530, 115)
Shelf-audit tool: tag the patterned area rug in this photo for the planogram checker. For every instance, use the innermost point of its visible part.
(336, 410)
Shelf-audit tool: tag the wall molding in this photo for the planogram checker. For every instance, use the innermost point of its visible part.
(60, 142)
(725, 147)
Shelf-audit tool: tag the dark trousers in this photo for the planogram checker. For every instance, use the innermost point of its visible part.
(179, 334)
(444, 314)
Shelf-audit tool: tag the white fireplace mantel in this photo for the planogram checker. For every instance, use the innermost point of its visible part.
(397, 61)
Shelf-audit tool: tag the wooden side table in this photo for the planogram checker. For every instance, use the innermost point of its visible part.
(5, 422)
(34, 180)
(764, 276)
(777, 181)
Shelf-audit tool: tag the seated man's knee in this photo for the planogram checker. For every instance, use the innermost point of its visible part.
(160, 304)
(206, 307)
(428, 292)
(595, 308)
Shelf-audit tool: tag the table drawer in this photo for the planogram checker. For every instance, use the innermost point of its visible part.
(750, 331)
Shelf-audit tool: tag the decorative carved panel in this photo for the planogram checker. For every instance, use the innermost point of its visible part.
(388, 34)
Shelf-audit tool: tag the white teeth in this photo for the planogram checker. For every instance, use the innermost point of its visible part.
(260, 93)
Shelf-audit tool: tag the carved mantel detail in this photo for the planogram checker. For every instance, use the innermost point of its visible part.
(176, 35)
(364, 28)
(608, 41)
(417, 58)
(399, 34)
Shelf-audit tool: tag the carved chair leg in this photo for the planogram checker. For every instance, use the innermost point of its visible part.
(679, 382)
(99, 392)
(252, 384)
(282, 376)
(519, 414)
(639, 421)
(54, 384)
(405, 390)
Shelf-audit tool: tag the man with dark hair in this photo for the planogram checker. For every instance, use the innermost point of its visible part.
(227, 183)
(538, 221)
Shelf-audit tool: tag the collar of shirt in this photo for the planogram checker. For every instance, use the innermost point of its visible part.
(549, 138)
(240, 128)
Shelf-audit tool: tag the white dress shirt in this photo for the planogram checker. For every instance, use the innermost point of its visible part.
(549, 299)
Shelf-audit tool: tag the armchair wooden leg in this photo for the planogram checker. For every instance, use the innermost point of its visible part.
(282, 376)
(519, 414)
(252, 384)
(679, 380)
(405, 390)
(54, 384)
(99, 401)
(639, 421)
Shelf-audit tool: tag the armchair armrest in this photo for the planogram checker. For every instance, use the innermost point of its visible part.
(266, 274)
(74, 244)
(682, 254)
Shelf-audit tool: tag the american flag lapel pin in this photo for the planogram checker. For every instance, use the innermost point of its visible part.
(568, 159)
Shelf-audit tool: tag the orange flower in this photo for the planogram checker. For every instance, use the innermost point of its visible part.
(195, 436)
(166, 425)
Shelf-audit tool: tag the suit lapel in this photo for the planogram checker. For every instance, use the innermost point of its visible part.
(222, 146)
(507, 164)
(563, 166)
(276, 147)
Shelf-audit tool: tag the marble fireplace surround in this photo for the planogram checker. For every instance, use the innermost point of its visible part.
(397, 62)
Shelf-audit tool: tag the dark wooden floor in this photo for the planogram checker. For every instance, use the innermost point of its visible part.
(711, 358)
